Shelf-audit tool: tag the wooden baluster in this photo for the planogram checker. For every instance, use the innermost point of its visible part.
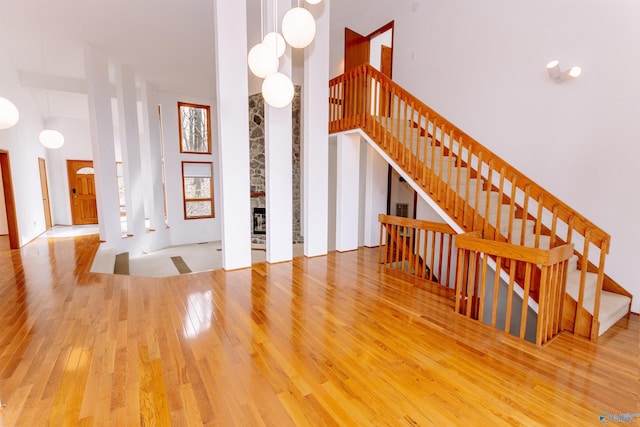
(483, 280)
(496, 233)
(410, 255)
(496, 291)
(433, 160)
(382, 226)
(409, 129)
(512, 207)
(457, 197)
(583, 275)
(440, 163)
(525, 299)
(450, 250)
(425, 161)
(539, 221)
(525, 211)
(433, 255)
(404, 247)
(467, 206)
(461, 267)
(396, 128)
(425, 250)
(604, 249)
(543, 307)
(487, 208)
(554, 223)
(416, 247)
(472, 282)
(440, 257)
(447, 182)
(397, 248)
(560, 294)
(476, 203)
(512, 280)
(570, 229)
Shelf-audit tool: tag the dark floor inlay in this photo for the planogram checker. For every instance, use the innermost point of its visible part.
(180, 264)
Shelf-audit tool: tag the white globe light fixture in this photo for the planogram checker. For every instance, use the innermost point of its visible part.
(262, 60)
(298, 27)
(9, 114)
(313, 1)
(51, 138)
(277, 90)
(276, 42)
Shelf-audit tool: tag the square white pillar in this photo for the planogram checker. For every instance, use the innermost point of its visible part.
(130, 142)
(347, 194)
(278, 140)
(316, 135)
(375, 195)
(104, 158)
(232, 109)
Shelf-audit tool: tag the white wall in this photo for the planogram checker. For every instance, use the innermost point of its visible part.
(77, 146)
(194, 230)
(482, 65)
(21, 141)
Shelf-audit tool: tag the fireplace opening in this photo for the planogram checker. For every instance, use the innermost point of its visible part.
(259, 221)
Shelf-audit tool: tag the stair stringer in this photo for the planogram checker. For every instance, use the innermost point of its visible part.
(504, 276)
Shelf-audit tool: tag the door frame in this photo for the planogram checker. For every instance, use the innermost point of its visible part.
(44, 185)
(9, 200)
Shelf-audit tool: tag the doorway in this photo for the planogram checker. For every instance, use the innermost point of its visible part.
(9, 200)
(44, 186)
(82, 192)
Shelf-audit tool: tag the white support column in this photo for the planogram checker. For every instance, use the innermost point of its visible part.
(152, 157)
(278, 138)
(104, 159)
(230, 33)
(130, 143)
(375, 196)
(348, 186)
(316, 135)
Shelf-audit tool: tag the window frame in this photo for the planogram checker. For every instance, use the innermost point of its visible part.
(184, 192)
(207, 109)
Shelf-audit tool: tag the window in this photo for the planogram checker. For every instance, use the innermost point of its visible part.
(197, 189)
(121, 197)
(195, 128)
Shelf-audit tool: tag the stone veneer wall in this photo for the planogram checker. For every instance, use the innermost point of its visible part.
(257, 171)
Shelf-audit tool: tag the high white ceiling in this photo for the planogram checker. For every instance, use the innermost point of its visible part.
(168, 43)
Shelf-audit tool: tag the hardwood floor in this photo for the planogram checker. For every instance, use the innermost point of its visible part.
(320, 341)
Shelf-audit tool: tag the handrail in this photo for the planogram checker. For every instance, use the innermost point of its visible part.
(472, 295)
(474, 186)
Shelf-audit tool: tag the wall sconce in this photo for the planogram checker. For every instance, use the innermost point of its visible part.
(558, 76)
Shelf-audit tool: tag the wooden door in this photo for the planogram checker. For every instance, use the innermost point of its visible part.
(82, 188)
(356, 49)
(386, 55)
(44, 185)
(9, 200)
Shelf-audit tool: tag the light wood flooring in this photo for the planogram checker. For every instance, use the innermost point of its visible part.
(322, 341)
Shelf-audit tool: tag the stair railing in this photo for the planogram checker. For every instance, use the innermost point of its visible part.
(423, 249)
(475, 187)
(477, 296)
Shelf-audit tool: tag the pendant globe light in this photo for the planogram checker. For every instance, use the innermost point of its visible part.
(9, 114)
(276, 42)
(262, 58)
(313, 1)
(298, 27)
(50, 138)
(277, 90)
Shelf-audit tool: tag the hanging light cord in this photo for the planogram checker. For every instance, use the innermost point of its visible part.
(44, 62)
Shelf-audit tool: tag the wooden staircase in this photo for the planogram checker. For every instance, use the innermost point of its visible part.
(481, 192)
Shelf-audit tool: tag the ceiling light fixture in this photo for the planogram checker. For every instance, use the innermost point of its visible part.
(277, 90)
(298, 27)
(50, 138)
(9, 114)
(558, 76)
